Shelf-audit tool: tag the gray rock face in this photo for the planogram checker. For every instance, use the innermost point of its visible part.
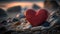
(13, 11)
(35, 7)
(51, 5)
(3, 15)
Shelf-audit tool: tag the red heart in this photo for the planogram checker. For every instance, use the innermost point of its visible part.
(36, 18)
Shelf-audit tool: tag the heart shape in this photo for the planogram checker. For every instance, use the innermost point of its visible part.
(36, 18)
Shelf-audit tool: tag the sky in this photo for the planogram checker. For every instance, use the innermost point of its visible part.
(22, 4)
(23, 0)
(9, 3)
(19, 0)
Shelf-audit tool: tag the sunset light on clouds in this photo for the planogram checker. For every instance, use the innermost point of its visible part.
(23, 4)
